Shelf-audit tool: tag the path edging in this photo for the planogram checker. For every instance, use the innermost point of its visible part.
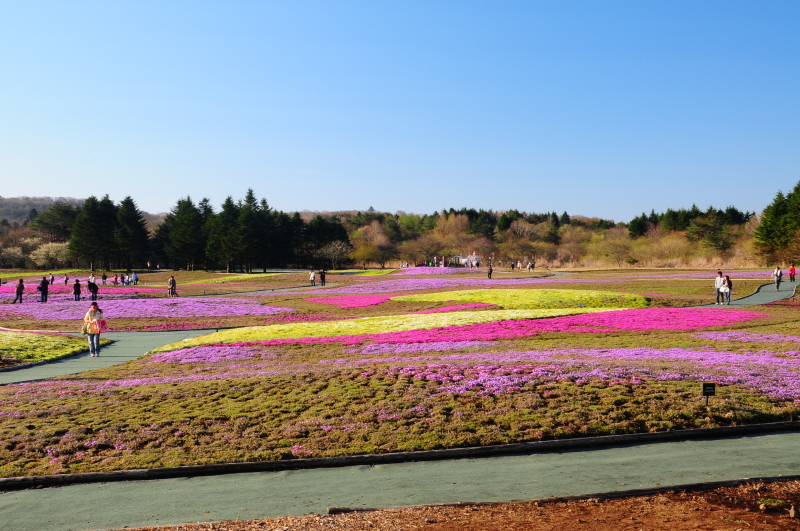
(687, 487)
(55, 480)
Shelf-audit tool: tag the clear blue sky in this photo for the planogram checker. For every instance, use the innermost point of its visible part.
(597, 108)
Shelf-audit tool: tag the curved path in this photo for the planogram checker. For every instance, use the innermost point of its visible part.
(128, 346)
(297, 492)
(270, 494)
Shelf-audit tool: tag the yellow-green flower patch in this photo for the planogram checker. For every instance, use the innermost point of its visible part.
(233, 278)
(370, 325)
(527, 299)
(24, 347)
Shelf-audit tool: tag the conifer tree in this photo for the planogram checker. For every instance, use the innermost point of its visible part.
(131, 234)
(86, 239)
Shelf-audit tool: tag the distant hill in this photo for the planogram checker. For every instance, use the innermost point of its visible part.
(18, 208)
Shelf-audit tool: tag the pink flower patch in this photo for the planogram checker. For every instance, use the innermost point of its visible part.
(354, 301)
(601, 322)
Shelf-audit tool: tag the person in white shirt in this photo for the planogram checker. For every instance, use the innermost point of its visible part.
(718, 283)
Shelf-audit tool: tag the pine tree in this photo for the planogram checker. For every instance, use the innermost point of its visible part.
(184, 234)
(107, 212)
(131, 234)
(86, 240)
(223, 242)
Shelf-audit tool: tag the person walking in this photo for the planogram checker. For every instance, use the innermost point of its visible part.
(43, 288)
(76, 290)
(321, 277)
(727, 289)
(52, 280)
(172, 287)
(777, 276)
(92, 287)
(66, 279)
(94, 324)
(490, 271)
(312, 277)
(792, 272)
(19, 289)
(718, 282)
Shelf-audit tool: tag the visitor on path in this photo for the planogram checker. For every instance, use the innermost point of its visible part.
(792, 272)
(312, 277)
(512, 266)
(52, 280)
(172, 287)
(777, 276)
(93, 289)
(76, 290)
(727, 289)
(19, 289)
(135, 279)
(94, 325)
(116, 280)
(66, 280)
(43, 288)
(92, 278)
(490, 271)
(104, 278)
(321, 277)
(718, 282)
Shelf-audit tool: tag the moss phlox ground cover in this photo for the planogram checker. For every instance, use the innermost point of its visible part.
(518, 299)
(323, 383)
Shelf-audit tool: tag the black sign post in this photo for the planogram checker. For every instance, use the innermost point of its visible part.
(709, 389)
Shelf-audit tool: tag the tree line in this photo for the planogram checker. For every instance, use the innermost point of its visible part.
(247, 234)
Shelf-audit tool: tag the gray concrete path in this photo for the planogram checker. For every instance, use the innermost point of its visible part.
(765, 294)
(128, 346)
(521, 477)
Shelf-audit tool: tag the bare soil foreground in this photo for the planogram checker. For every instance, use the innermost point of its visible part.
(759, 506)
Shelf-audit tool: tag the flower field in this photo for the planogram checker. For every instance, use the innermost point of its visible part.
(362, 368)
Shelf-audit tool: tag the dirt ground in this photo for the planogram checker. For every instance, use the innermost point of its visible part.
(762, 506)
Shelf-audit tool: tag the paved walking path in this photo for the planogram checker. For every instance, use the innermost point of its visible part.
(765, 294)
(128, 346)
(521, 477)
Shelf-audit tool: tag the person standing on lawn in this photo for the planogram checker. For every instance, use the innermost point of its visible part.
(76, 290)
(312, 277)
(718, 282)
(92, 287)
(490, 271)
(94, 325)
(44, 286)
(777, 276)
(19, 289)
(321, 277)
(172, 287)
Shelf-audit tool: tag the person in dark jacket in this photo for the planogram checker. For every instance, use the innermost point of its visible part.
(19, 289)
(76, 290)
(93, 289)
(44, 286)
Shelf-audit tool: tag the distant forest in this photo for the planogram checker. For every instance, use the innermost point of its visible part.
(247, 234)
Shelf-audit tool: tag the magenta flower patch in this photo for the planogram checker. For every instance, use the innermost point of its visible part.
(353, 301)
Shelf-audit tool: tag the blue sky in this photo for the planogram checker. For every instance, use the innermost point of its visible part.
(597, 108)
